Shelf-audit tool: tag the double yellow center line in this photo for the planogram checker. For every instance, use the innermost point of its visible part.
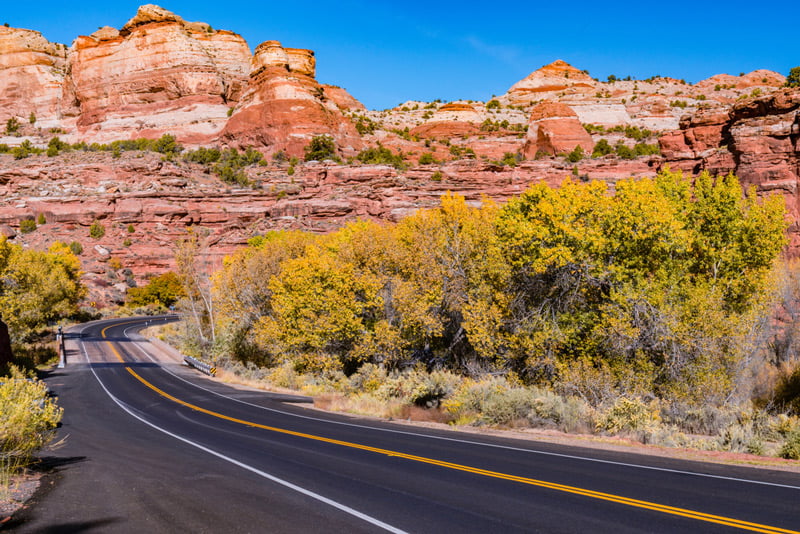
(682, 512)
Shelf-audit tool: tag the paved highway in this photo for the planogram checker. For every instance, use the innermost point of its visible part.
(151, 446)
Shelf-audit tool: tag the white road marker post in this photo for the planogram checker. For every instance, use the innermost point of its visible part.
(62, 353)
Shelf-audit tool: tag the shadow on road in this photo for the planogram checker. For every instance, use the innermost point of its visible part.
(109, 365)
(69, 528)
(53, 463)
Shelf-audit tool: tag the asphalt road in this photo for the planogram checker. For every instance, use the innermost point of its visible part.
(153, 447)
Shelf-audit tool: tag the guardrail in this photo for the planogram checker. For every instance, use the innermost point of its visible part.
(203, 367)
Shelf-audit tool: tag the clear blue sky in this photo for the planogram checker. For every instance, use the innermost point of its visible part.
(387, 53)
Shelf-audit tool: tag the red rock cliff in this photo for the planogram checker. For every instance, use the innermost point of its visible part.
(31, 75)
(158, 74)
(284, 106)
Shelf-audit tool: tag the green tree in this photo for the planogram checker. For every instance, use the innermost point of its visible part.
(37, 287)
(12, 125)
(793, 79)
(381, 155)
(27, 226)
(320, 148)
(602, 148)
(576, 155)
(163, 291)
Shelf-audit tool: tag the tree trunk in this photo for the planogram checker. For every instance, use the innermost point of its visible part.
(6, 356)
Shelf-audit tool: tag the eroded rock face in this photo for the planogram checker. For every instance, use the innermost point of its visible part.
(284, 106)
(758, 140)
(32, 71)
(555, 128)
(342, 98)
(158, 74)
(161, 199)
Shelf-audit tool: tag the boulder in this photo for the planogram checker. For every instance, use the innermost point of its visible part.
(554, 128)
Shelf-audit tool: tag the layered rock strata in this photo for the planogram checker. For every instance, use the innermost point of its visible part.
(157, 75)
(284, 106)
(32, 71)
(555, 128)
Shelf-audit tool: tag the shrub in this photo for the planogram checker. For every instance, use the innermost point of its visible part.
(131, 229)
(41, 219)
(29, 421)
(97, 230)
(203, 155)
(576, 154)
(280, 157)
(493, 104)
(791, 447)
(55, 146)
(511, 159)
(426, 158)
(24, 150)
(76, 248)
(32, 118)
(602, 148)
(27, 226)
(437, 176)
(320, 148)
(12, 125)
(365, 125)
(625, 152)
(627, 415)
(381, 155)
(127, 243)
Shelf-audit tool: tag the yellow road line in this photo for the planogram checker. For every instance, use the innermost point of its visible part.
(682, 512)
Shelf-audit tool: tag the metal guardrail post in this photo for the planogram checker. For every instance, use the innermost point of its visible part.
(203, 367)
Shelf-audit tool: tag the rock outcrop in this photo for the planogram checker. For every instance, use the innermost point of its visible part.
(158, 74)
(342, 98)
(32, 72)
(555, 128)
(758, 139)
(557, 77)
(284, 106)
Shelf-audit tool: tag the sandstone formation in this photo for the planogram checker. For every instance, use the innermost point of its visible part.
(31, 75)
(157, 75)
(161, 199)
(756, 78)
(445, 130)
(555, 128)
(342, 98)
(557, 77)
(284, 106)
(758, 139)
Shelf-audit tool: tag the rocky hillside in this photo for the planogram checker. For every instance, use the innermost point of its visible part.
(160, 74)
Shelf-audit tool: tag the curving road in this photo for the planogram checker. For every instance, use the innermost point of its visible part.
(151, 446)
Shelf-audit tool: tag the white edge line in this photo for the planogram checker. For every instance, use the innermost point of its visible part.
(469, 442)
(294, 487)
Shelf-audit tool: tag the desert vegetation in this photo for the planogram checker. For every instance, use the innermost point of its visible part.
(36, 290)
(647, 312)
